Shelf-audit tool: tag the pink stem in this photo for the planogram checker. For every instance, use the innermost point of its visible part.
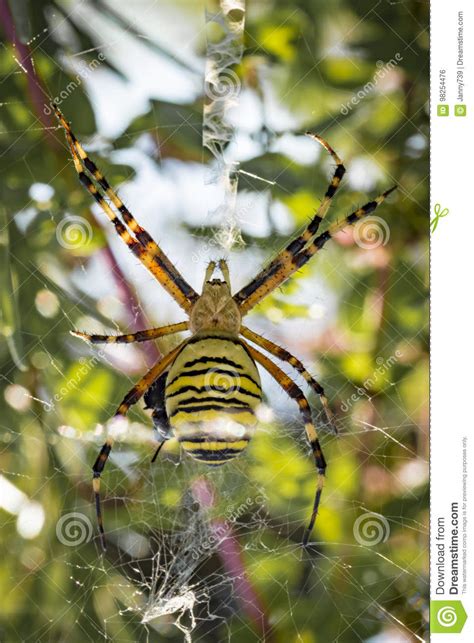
(37, 94)
(230, 553)
(138, 320)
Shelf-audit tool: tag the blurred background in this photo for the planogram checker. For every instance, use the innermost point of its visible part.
(194, 554)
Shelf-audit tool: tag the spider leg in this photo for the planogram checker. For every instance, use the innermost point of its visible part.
(244, 296)
(296, 393)
(302, 257)
(142, 245)
(158, 449)
(140, 336)
(285, 356)
(292, 262)
(132, 397)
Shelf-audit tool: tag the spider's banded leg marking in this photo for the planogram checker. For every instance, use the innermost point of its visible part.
(141, 234)
(132, 397)
(285, 356)
(152, 255)
(296, 393)
(136, 248)
(299, 242)
(302, 257)
(140, 336)
(291, 265)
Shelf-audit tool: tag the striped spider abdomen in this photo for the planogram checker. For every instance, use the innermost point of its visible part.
(206, 390)
(212, 392)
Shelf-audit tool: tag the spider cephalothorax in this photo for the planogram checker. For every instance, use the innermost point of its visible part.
(206, 391)
(215, 309)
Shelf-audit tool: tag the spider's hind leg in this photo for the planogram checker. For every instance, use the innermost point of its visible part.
(286, 356)
(296, 394)
(131, 398)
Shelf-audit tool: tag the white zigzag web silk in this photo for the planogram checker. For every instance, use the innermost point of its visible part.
(225, 33)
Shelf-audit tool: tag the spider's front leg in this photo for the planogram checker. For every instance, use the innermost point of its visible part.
(263, 284)
(134, 236)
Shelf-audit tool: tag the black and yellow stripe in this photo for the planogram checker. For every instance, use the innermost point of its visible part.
(206, 391)
(142, 245)
(130, 338)
(265, 276)
(130, 398)
(288, 263)
(296, 394)
(212, 391)
(213, 453)
(302, 257)
(286, 356)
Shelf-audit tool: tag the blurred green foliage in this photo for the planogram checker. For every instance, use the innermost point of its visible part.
(316, 57)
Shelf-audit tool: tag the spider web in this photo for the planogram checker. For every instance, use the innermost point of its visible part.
(200, 555)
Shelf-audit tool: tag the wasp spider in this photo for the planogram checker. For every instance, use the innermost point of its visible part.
(205, 392)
